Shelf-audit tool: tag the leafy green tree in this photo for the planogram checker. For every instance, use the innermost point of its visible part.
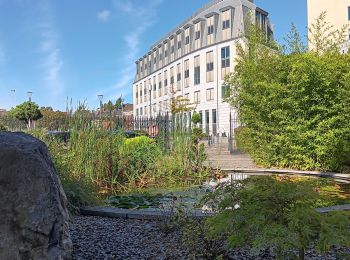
(196, 118)
(323, 38)
(52, 120)
(276, 213)
(27, 112)
(119, 103)
(294, 105)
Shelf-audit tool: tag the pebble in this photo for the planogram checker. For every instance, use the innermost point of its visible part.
(113, 238)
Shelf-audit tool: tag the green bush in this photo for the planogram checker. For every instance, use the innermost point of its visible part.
(139, 156)
(276, 213)
(295, 107)
(3, 128)
(196, 118)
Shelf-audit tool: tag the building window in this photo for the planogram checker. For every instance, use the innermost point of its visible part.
(210, 94)
(165, 79)
(197, 97)
(178, 77)
(207, 121)
(226, 24)
(179, 45)
(166, 53)
(187, 74)
(349, 13)
(210, 66)
(172, 48)
(160, 88)
(214, 121)
(197, 70)
(198, 35)
(187, 40)
(225, 91)
(197, 75)
(225, 57)
(210, 29)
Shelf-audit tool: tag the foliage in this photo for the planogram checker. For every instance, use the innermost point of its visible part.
(324, 38)
(135, 201)
(52, 120)
(200, 244)
(27, 112)
(79, 191)
(276, 213)
(196, 118)
(138, 158)
(294, 104)
(3, 128)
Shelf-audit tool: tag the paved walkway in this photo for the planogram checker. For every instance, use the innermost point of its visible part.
(219, 157)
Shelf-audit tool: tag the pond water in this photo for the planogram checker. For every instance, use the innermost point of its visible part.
(189, 198)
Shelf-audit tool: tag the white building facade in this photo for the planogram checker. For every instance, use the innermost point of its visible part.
(193, 60)
(337, 15)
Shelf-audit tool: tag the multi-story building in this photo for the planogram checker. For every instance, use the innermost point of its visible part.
(338, 15)
(193, 60)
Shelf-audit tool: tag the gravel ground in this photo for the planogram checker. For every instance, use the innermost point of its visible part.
(108, 238)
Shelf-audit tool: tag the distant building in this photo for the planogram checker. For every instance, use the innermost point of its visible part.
(3, 112)
(192, 61)
(338, 15)
(128, 109)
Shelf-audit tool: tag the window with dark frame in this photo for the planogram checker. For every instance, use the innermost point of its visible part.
(197, 75)
(210, 66)
(210, 29)
(179, 44)
(187, 40)
(226, 24)
(225, 57)
(198, 35)
(178, 76)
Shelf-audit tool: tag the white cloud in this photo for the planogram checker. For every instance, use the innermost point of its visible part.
(145, 16)
(52, 63)
(104, 15)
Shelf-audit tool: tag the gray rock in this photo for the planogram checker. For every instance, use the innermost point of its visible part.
(34, 220)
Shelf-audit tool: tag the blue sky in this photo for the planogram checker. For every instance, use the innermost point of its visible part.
(79, 48)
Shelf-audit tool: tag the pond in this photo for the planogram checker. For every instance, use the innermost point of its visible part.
(189, 198)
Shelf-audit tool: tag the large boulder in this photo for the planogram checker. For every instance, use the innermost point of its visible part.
(33, 207)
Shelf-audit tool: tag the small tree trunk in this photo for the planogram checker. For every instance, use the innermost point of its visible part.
(301, 253)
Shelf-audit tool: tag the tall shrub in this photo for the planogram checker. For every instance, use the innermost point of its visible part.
(294, 105)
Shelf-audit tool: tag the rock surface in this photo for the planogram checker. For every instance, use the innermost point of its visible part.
(34, 216)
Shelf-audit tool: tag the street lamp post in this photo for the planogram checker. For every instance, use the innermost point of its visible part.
(13, 92)
(30, 94)
(100, 97)
(150, 100)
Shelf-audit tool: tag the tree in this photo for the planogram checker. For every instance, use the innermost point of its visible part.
(52, 120)
(294, 105)
(119, 103)
(27, 112)
(324, 38)
(277, 213)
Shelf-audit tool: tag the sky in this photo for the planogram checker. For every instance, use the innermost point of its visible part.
(82, 48)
